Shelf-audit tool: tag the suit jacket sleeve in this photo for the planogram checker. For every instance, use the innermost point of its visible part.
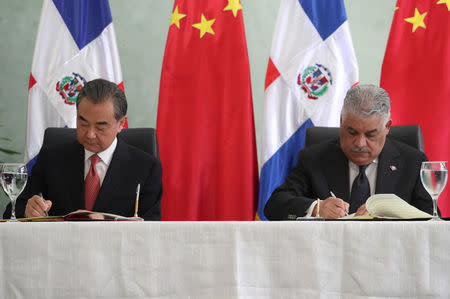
(151, 193)
(295, 195)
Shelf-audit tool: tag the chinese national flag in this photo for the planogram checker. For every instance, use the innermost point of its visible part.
(205, 120)
(415, 73)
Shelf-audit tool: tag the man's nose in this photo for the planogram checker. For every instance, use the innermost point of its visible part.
(91, 133)
(361, 141)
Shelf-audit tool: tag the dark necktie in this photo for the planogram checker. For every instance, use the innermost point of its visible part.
(360, 190)
(91, 184)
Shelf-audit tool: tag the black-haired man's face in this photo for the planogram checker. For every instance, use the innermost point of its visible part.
(96, 125)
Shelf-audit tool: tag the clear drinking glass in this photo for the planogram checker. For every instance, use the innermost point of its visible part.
(13, 178)
(434, 177)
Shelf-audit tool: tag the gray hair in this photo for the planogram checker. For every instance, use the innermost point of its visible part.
(365, 100)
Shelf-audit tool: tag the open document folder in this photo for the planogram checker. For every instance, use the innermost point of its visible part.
(80, 215)
(390, 206)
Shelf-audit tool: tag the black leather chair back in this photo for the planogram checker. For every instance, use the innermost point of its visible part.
(410, 134)
(142, 138)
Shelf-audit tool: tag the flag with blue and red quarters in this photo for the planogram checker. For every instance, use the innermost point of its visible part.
(75, 43)
(311, 66)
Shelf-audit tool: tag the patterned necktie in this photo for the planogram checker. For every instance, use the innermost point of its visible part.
(360, 190)
(91, 184)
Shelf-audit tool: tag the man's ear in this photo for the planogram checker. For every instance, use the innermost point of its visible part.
(388, 125)
(122, 122)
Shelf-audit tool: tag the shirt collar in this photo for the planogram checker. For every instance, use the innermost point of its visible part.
(105, 156)
(375, 161)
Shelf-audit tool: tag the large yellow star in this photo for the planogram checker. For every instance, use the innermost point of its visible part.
(205, 26)
(176, 17)
(233, 5)
(417, 20)
(445, 2)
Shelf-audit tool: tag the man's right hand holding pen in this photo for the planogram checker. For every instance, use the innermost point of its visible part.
(332, 208)
(37, 206)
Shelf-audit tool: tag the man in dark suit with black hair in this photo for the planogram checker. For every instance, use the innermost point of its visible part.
(336, 177)
(98, 172)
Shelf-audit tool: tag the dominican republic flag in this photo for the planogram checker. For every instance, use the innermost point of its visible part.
(205, 115)
(415, 73)
(311, 66)
(75, 43)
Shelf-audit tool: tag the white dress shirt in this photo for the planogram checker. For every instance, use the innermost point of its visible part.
(353, 171)
(103, 164)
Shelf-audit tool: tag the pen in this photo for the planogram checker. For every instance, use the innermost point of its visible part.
(136, 205)
(332, 194)
(41, 196)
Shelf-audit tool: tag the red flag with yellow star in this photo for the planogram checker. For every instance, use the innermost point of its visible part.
(415, 73)
(205, 120)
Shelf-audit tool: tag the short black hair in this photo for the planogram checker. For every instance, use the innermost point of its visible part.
(100, 90)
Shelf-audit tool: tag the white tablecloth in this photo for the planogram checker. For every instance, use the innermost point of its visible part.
(225, 259)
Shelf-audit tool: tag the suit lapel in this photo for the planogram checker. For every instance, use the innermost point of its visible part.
(113, 176)
(389, 166)
(336, 173)
(76, 176)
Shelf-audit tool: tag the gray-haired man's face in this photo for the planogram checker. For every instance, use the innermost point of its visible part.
(362, 139)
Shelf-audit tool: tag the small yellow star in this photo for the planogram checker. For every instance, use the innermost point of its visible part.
(445, 2)
(176, 17)
(417, 20)
(396, 8)
(233, 5)
(205, 26)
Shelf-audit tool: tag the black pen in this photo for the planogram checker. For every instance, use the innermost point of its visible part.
(41, 196)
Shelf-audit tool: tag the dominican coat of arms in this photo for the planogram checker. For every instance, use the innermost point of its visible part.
(69, 87)
(315, 81)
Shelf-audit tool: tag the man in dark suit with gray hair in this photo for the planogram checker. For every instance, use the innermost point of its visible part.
(338, 176)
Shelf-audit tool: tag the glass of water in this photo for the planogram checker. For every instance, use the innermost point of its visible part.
(434, 178)
(13, 178)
